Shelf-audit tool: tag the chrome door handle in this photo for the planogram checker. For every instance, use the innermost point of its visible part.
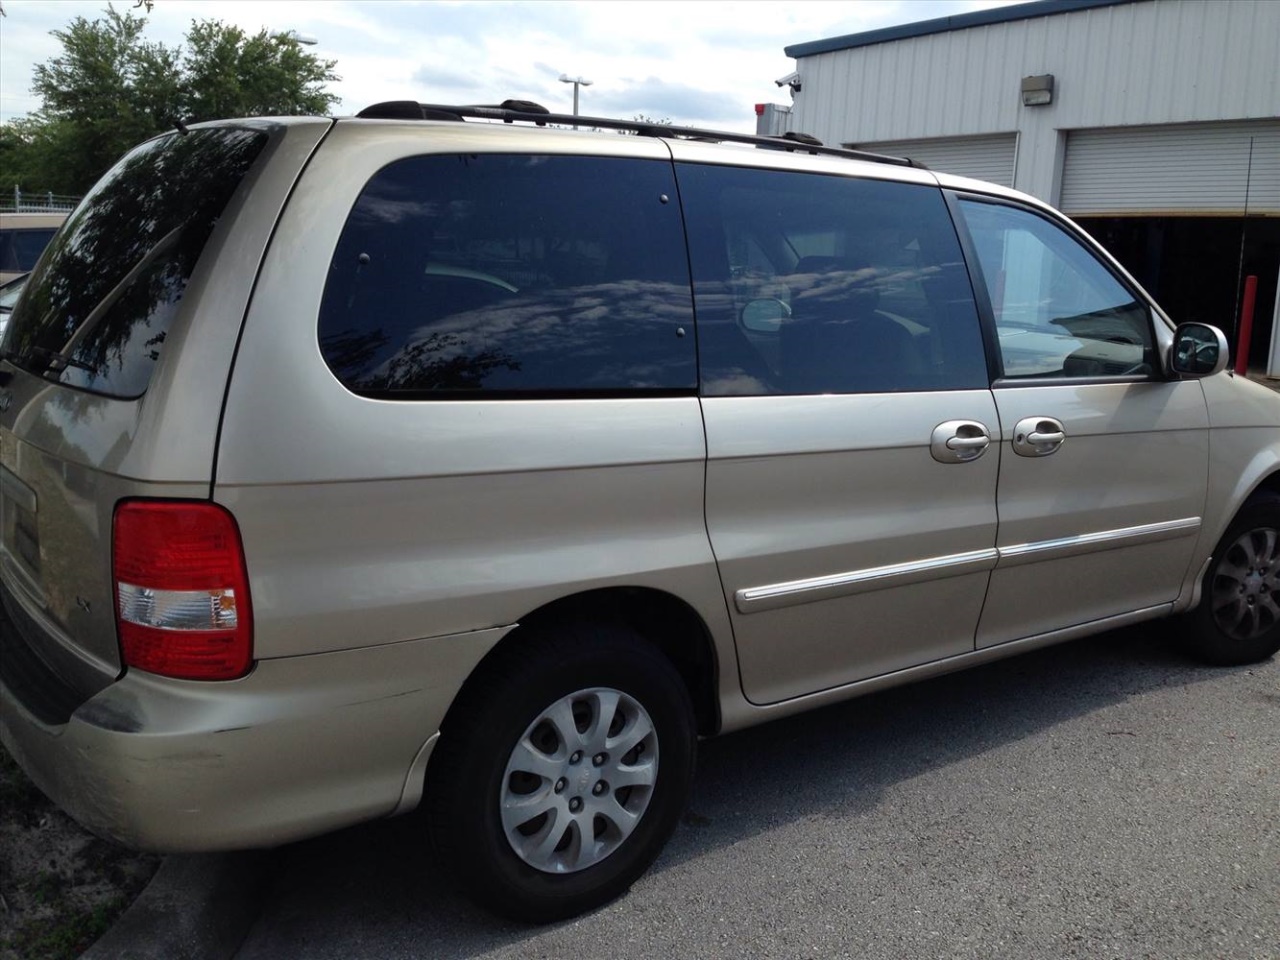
(1053, 438)
(1038, 436)
(959, 441)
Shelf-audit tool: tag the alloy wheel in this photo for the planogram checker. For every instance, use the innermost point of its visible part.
(578, 780)
(1245, 585)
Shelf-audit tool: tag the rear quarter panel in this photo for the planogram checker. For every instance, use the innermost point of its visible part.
(369, 522)
(71, 455)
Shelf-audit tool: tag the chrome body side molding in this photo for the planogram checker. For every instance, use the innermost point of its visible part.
(794, 592)
(1097, 542)
(756, 599)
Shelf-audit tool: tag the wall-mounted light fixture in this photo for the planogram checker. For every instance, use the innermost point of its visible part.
(1037, 91)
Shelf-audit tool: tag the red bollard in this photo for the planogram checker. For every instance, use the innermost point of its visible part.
(1246, 325)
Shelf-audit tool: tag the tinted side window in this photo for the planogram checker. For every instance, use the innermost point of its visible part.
(820, 284)
(498, 275)
(1059, 312)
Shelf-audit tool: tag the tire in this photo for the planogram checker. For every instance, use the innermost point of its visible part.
(1238, 619)
(561, 771)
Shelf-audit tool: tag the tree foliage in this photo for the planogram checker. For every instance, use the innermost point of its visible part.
(646, 119)
(111, 88)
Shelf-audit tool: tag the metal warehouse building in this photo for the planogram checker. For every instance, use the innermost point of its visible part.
(1154, 123)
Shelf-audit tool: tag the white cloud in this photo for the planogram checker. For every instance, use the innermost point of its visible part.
(701, 63)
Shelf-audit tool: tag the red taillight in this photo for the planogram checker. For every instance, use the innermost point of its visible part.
(182, 592)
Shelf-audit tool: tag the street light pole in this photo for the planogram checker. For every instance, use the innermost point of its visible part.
(577, 82)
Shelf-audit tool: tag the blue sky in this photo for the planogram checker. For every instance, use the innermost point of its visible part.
(699, 63)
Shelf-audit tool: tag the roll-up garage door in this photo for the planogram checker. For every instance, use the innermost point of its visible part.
(983, 158)
(1198, 169)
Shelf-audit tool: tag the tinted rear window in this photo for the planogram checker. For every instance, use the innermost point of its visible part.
(499, 276)
(96, 313)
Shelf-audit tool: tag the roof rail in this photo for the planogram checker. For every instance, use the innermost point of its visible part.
(526, 111)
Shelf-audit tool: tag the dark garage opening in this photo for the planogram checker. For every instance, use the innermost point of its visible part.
(1192, 266)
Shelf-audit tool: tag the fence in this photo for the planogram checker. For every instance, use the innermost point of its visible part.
(37, 202)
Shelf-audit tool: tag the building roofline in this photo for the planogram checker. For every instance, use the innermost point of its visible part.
(923, 28)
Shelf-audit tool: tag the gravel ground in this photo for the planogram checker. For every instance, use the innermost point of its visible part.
(60, 886)
(1102, 799)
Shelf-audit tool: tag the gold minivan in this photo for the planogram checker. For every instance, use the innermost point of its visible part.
(413, 461)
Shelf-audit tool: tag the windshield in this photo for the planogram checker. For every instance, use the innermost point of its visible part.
(96, 312)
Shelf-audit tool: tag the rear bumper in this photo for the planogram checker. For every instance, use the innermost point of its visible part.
(300, 746)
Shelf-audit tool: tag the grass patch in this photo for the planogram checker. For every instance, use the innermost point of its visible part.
(61, 887)
(67, 934)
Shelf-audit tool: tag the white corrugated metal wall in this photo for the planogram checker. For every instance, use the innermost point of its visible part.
(1202, 168)
(983, 158)
(1133, 64)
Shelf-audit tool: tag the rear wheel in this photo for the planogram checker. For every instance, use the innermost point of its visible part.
(561, 771)
(1238, 619)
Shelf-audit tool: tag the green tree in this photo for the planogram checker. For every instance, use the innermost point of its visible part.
(228, 73)
(32, 154)
(110, 89)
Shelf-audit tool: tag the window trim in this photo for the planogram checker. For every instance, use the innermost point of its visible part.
(986, 312)
(439, 396)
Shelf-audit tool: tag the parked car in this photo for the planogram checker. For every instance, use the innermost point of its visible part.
(23, 237)
(405, 461)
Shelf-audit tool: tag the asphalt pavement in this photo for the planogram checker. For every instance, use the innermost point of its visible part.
(1101, 799)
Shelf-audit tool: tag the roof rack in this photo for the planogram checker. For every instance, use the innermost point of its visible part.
(526, 111)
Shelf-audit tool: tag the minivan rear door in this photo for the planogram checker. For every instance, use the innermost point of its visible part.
(113, 370)
(851, 434)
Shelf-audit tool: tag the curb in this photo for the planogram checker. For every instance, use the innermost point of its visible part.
(196, 907)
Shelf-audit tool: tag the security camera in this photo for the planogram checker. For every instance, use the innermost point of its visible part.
(791, 80)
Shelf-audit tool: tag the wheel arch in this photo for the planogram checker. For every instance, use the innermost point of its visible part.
(662, 619)
(1236, 620)
(1268, 484)
(1263, 476)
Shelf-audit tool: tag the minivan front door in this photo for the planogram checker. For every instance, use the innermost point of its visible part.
(851, 432)
(1104, 462)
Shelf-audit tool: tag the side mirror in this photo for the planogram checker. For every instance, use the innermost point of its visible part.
(765, 315)
(1199, 350)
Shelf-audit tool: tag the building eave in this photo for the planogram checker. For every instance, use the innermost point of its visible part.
(978, 18)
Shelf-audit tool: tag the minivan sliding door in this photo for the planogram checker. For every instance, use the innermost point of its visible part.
(851, 433)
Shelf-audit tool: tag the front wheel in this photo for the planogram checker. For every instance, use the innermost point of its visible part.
(561, 771)
(1238, 619)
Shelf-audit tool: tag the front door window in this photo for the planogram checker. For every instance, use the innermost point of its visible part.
(1058, 311)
